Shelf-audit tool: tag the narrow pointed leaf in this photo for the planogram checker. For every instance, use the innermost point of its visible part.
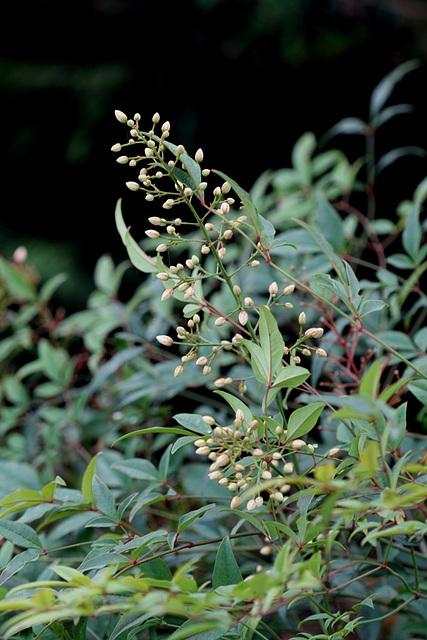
(189, 517)
(302, 420)
(137, 256)
(226, 570)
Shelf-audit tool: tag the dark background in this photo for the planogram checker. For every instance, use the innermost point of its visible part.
(243, 79)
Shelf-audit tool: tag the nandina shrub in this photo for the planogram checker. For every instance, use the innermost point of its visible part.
(286, 496)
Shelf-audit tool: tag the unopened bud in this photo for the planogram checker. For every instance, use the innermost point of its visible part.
(243, 317)
(315, 332)
(178, 370)
(236, 502)
(167, 293)
(288, 290)
(199, 156)
(333, 452)
(297, 444)
(273, 289)
(165, 340)
(116, 147)
(302, 318)
(321, 352)
(219, 322)
(121, 117)
(152, 233)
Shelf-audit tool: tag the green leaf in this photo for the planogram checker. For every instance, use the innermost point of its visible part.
(16, 282)
(385, 87)
(390, 157)
(189, 517)
(302, 420)
(138, 468)
(302, 153)
(86, 485)
(137, 256)
(259, 363)
(330, 223)
(191, 165)
(17, 563)
(140, 432)
(199, 631)
(193, 422)
(235, 404)
(103, 498)
(412, 232)
(20, 534)
(271, 341)
(246, 201)
(226, 570)
(369, 385)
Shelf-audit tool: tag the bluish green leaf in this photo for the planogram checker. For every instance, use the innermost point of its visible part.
(330, 223)
(138, 468)
(137, 256)
(412, 232)
(193, 422)
(18, 562)
(385, 87)
(302, 420)
(20, 534)
(103, 498)
(226, 570)
(188, 518)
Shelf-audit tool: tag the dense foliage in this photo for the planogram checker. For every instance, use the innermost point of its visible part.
(237, 449)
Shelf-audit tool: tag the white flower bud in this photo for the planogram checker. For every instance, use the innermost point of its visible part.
(162, 247)
(206, 370)
(333, 452)
(178, 370)
(251, 505)
(266, 551)
(20, 255)
(156, 118)
(199, 156)
(321, 352)
(266, 475)
(259, 501)
(158, 222)
(205, 249)
(202, 451)
(257, 453)
(297, 444)
(222, 460)
(315, 332)
(116, 147)
(168, 204)
(255, 264)
(226, 187)
(203, 186)
(201, 361)
(228, 234)
(210, 420)
(167, 293)
(166, 126)
(121, 117)
(152, 233)
(243, 317)
(288, 467)
(215, 475)
(165, 340)
(219, 322)
(225, 207)
(273, 289)
(288, 290)
(236, 502)
(122, 160)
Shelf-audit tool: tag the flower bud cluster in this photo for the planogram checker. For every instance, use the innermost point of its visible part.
(241, 464)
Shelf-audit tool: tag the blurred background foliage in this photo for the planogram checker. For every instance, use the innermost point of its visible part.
(243, 79)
